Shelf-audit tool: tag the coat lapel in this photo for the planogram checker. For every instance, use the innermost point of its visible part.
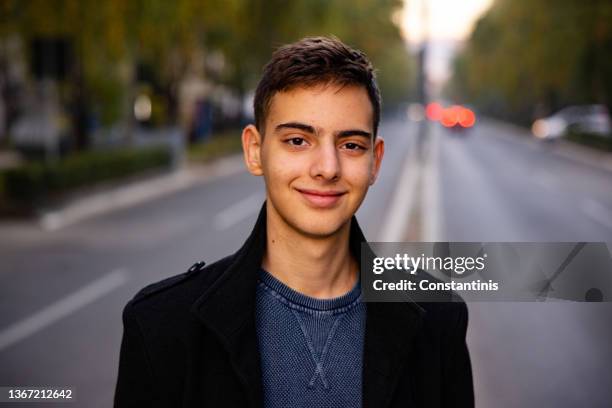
(228, 309)
(389, 336)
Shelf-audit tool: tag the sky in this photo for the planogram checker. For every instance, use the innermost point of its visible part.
(448, 19)
(448, 24)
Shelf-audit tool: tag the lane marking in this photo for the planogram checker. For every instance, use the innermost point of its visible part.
(597, 212)
(121, 197)
(238, 212)
(404, 199)
(62, 308)
(431, 212)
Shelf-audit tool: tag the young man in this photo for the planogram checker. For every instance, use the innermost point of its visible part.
(280, 323)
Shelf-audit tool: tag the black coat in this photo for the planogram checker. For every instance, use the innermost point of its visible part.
(190, 341)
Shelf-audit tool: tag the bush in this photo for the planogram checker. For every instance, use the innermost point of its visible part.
(595, 141)
(36, 181)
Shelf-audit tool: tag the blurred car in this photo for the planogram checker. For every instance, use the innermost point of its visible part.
(592, 119)
(457, 118)
(41, 133)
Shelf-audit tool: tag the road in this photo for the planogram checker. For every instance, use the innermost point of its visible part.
(62, 291)
(496, 184)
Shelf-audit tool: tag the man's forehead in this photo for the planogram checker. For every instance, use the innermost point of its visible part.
(321, 106)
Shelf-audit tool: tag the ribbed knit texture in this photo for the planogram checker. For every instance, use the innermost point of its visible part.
(311, 349)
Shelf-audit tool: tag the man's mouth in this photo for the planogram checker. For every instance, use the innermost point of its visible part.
(321, 198)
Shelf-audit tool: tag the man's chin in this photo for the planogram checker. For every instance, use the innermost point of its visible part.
(320, 229)
(311, 222)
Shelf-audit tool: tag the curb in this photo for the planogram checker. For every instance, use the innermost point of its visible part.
(131, 194)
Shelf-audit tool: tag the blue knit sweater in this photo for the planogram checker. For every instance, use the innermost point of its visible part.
(311, 349)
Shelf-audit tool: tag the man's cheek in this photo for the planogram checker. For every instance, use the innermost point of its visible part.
(278, 176)
(287, 168)
(359, 176)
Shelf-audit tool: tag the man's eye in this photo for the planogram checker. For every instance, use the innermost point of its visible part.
(296, 141)
(353, 146)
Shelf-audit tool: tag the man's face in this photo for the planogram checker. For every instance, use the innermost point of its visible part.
(318, 156)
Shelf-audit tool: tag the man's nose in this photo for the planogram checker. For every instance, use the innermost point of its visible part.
(326, 163)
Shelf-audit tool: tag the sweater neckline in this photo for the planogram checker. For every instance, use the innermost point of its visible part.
(299, 299)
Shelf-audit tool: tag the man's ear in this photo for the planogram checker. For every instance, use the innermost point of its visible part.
(251, 148)
(379, 152)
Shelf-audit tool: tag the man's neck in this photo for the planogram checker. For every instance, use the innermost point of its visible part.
(319, 267)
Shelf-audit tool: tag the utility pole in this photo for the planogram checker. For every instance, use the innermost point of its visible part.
(422, 77)
(422, 55)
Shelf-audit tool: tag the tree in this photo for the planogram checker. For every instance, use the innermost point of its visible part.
(116, 40)
(524, 54)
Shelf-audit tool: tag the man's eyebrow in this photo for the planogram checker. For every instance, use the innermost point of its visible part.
(353, 132)
(295, 125)
(310, 129)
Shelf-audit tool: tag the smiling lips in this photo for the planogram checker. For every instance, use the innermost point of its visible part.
(321, 199)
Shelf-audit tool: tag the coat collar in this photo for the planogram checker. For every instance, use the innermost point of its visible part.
(228, 309)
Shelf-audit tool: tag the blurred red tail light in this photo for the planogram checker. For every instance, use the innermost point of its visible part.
(458, 115)
(434, 111)
(467, 118)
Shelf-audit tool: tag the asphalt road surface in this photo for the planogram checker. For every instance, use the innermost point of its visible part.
(496, 184)
(62, 291)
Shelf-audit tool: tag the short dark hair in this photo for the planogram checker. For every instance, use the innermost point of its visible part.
(313, 61)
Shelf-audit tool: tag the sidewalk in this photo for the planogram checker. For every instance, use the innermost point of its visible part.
(122, 195)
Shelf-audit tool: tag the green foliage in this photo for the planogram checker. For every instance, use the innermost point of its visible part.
(364, 24)
(108, 97)
(171, 37)
(32, 182)
(526, 56)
